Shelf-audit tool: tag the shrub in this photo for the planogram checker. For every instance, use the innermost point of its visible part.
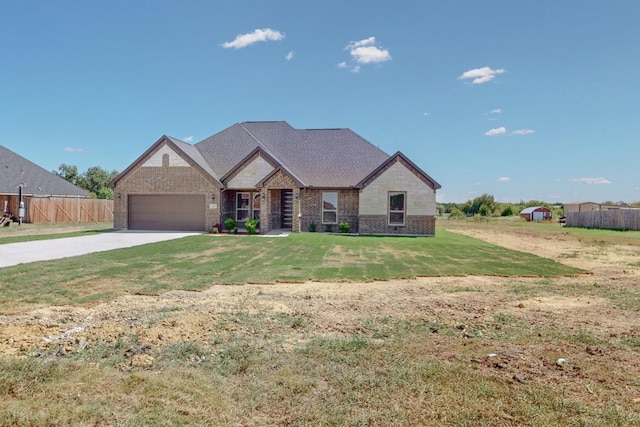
(312, 227)
(344, 227)
(216, 228)
(328, 228)
(230, 224)
(251, 225)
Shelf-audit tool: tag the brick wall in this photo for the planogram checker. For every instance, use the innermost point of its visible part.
(414, 225)
(167, 179)
(311, 209)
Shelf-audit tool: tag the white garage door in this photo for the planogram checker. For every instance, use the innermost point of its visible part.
(538, 216)
(178, 212)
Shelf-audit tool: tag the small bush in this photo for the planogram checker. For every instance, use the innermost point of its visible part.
(328, 228)
(251, 225)
(344, 227)
(230, 224)
(312, 227)
(216, 228)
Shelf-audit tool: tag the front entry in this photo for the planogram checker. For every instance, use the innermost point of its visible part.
(286, 210)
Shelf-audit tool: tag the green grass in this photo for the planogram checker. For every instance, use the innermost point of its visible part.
(34, 232)
(197, 262)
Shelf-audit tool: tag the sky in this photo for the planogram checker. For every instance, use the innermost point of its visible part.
(523, 100)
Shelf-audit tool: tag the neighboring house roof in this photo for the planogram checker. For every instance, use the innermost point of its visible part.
(326, 158)
(15, 170)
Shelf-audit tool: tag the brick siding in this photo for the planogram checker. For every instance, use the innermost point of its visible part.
(414, 225)
(164, 180)
(311, 209)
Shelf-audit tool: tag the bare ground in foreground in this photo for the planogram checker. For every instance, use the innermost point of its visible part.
(473, 305)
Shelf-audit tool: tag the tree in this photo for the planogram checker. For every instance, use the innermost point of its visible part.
(95, 180)
(68, 173)
(484, 205)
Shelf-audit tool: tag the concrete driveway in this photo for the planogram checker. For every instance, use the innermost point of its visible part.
(44, 250)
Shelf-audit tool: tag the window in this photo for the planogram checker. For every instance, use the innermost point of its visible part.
(256, 206)
(329, 208)
(242, 206)
(397, 208)
(247, 206)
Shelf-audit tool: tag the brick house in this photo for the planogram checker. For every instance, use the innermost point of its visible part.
(286, 178)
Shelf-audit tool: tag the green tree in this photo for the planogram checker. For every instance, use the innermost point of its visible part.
(95, 180)
(68, 173)
(507, 210)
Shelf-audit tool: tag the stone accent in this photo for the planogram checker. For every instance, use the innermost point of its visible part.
(252, 173)
(414, 225)
(163, 154)
(165, 180)
(421, 198)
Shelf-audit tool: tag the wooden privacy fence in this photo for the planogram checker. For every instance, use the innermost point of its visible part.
(66, 209)
(614, 219)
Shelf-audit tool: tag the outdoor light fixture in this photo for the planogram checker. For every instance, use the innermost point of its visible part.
(119, 195)
(213, 196)
(262, 195)
(297, 195)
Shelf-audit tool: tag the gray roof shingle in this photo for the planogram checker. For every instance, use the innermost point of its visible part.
(15, 169)
(325, 158)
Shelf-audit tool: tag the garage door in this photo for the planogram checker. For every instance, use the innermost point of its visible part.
(181, 212)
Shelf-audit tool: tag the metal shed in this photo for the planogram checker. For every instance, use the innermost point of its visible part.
(536, 213)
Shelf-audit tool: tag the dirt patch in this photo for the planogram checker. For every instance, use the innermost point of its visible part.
(591, 326)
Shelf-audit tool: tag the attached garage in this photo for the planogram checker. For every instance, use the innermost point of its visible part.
(175, 212)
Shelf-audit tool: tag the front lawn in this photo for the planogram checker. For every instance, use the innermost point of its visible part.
(197, 262)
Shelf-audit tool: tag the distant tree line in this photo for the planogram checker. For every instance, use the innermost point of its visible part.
(95, 180)
(485, 205)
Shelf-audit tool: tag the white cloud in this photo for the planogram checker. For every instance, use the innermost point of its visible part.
(290, 55)
(496, 131)
(523, 132)
(496, 111)
(188, 139)
(365, 51)
(258, 35)
(75, 150)
(594, 181)
(426, 114)
(365, 42)
(343, 64)
(481, 75)
(504, 179)
(370, 54)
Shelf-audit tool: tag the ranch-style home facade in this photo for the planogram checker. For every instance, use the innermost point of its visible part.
(284, 177)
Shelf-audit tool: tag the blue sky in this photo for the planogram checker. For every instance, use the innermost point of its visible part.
(521, 100)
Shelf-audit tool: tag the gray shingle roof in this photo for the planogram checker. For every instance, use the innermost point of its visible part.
(329, 158)
(15, 169)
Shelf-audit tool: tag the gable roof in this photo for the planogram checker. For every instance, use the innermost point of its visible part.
(185, 149)
(324, 158)
(398, 156)
(16, 170)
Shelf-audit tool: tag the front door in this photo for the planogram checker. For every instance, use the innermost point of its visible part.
(287, 209)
